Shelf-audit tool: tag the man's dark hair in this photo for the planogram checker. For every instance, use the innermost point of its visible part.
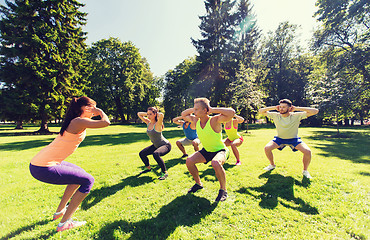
(287, 101)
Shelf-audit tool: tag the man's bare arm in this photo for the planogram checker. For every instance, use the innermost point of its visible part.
(264, 111)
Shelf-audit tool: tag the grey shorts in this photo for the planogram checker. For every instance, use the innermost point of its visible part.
(186, 141)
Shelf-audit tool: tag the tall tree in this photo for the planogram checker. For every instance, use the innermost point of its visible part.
(286, 77)
(213, 49)
(246, 34)
(120, 78)
(42, 53)
(345, 27)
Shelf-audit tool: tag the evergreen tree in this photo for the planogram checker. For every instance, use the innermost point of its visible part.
(42, 54)
(217, 32)
(246, 34)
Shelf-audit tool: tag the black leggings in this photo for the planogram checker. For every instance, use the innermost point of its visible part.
(157, 153)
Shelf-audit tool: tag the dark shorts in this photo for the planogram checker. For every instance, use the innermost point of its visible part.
(291, 142)
(210, 155)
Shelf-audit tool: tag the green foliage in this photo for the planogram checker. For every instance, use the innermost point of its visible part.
(229, 38)
(179, 90)
(120, 80)
(247, 98)
(42, 56)
(286, 67)
(346, 28)
(338, 94)
(217, 31)
(246, 34)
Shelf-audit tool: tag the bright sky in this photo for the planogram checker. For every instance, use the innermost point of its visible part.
(162, 29)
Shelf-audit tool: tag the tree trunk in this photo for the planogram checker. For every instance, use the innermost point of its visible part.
(336, 115)
(19, 124)
(44, 122)
(346, 122)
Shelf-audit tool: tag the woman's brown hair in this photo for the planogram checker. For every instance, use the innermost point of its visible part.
(74, 110)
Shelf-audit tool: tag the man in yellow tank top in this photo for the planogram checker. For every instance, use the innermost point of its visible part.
(209, 130)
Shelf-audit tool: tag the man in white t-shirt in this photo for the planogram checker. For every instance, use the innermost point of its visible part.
(287, 122)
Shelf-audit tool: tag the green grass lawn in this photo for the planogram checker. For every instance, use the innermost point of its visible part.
(122, 205)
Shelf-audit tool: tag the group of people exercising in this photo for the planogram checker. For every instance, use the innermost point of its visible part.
(201, 124)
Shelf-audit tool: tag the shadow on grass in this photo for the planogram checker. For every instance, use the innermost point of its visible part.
(94, 140)
(186, 210)
(353, 146)
(279, 189)
(211, 172)
(173, 162)
(30, 227)
(97, 195)
(365, 174)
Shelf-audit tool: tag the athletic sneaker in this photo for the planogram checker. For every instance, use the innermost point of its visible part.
(185, 155)
(146, 170)
(306, 174)
(69, 224)
(163, 176)
(222, 195)
(270, 167)
(195, 188)
(238, 163)
(59, 214)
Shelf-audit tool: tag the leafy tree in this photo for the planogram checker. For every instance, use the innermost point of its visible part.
(12, 106)
(286, 67)
(179, 88)
(120, 77)
(247, 98)
(42, 54)
(338, 94)
(346, 28)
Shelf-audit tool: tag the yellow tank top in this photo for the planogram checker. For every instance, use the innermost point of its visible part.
(58, 150)
(212, 141)
(232, 132)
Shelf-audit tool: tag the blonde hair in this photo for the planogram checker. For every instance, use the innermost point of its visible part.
(203, 101)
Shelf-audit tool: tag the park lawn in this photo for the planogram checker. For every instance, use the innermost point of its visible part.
(273, 205)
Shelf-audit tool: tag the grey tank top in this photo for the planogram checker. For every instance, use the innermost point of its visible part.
(156, 137)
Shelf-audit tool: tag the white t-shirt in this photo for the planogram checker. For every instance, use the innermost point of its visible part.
(287, 127)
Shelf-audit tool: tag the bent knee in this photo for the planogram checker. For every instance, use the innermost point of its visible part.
(216, 163)
(268, 148)
(189, 162)
(306, 151)
(142, 153)
(87, 184)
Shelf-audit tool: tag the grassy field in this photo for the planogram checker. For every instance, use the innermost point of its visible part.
(122, 205)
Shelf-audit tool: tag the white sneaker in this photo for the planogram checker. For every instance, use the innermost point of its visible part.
(69, 224)
(270, 167)
(306, 174)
